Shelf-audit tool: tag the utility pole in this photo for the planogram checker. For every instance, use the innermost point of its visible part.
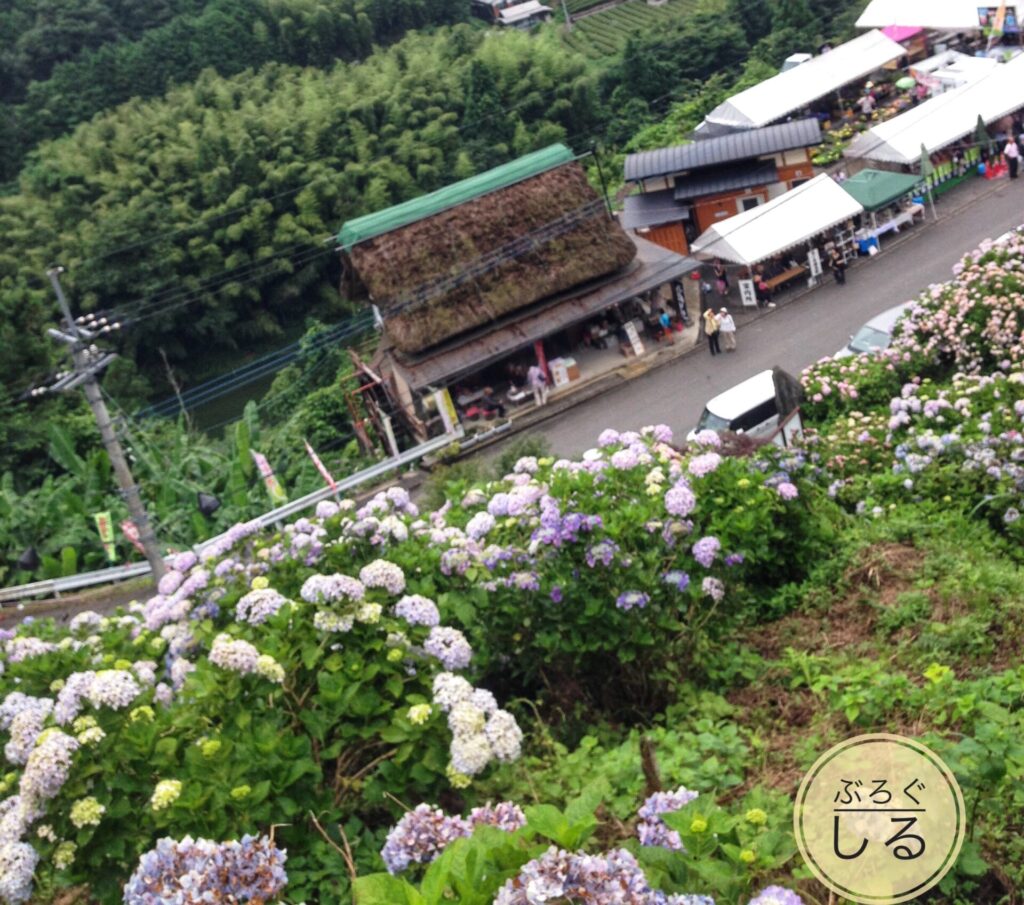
(88, 362)
(568, 17)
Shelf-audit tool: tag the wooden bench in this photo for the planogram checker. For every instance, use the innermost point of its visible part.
(774, 282)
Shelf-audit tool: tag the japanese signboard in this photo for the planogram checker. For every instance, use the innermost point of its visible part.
(748, 295)
(274, 487)
(105, 527)
(879, 818)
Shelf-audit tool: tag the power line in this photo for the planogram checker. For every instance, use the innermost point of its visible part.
(268, 364)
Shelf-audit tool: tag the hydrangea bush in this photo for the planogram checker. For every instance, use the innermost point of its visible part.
(504, 855)
(260, 684)
(612, 566)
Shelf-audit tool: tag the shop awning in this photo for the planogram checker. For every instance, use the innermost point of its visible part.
(783, 222)
(652, 266)
(652, 209)
(957, 15)
(726, 179)
(875, 189)
(944, 119)
(796, 88)
(901, 33)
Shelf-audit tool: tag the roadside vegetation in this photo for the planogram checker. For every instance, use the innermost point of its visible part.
(586, 675)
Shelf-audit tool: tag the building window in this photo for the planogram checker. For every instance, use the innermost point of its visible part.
(749, 203)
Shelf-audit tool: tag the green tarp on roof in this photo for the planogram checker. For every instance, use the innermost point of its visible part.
(877, 188)
(376, 224)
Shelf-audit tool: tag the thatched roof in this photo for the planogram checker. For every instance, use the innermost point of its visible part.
(470, 264)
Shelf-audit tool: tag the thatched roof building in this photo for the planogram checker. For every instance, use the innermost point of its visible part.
(474, 252)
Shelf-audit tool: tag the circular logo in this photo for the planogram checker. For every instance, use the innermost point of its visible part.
(879, 819)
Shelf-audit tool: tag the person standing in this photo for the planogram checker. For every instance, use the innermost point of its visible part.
(727, 327)
(537, 381)
(711, 330)
(721, 278)
(838, 264)
(1012, 154)
(665, 322)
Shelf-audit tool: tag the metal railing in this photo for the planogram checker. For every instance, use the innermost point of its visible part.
(54, 587)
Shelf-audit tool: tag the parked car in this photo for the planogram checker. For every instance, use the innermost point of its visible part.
(875, 335)
(747, 408)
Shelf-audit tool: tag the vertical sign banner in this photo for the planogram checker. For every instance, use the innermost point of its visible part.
(446, 408)
(129, 530)
(274, 487)
(105, 527)
(634, 338)
(748, 295)
(324, 473)
(814, 263)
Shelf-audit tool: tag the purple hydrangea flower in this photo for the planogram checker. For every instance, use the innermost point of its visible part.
(203, 871)
(706, 549)
(504, 815)
(713, 588)
(680, 500)
(677, 579)
(787, 490)
(776, 895)
(603, 552)
(258, 606)
(420, 836)
(449, 646)
(418, 610)
(651, 829)
(556, 594)
(704, 464)
(629, 600)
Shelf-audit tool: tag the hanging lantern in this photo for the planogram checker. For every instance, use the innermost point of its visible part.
(29, 560)
(208, 503)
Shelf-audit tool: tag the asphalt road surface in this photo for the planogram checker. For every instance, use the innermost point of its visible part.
(798, 334)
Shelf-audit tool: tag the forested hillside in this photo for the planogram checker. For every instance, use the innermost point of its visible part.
(68, 66)
(201, 218)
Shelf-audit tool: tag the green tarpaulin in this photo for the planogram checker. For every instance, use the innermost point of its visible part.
(376, 224)
(875, 189)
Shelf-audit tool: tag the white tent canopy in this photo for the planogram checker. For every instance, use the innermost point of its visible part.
(944, 119)
(785, 221)
(955, 15)
(795, 88)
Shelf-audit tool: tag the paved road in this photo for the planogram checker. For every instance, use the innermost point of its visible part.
(801, 332)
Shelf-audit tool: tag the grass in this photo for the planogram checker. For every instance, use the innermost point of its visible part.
(606, 32)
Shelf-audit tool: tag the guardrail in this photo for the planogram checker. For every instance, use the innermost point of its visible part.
(56, 586)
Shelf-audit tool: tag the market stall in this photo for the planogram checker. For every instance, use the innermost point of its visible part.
(945, 119)
(888, 201)
(799, 87)
(787, 232)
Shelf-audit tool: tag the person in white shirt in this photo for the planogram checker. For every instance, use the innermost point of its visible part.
(1012, 154)
(727, 327)
(538, 382)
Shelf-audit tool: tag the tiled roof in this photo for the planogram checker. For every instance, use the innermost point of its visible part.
(709, 152)
(652, 209)
(726, 179)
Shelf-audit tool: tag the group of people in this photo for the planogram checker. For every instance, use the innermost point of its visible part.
(720, 329)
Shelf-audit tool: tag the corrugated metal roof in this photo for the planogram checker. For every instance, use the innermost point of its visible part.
(652, 266)
(652, 209)
(727, 179)
(802, 133)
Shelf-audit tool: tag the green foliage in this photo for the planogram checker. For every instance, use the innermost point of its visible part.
(700, 753)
